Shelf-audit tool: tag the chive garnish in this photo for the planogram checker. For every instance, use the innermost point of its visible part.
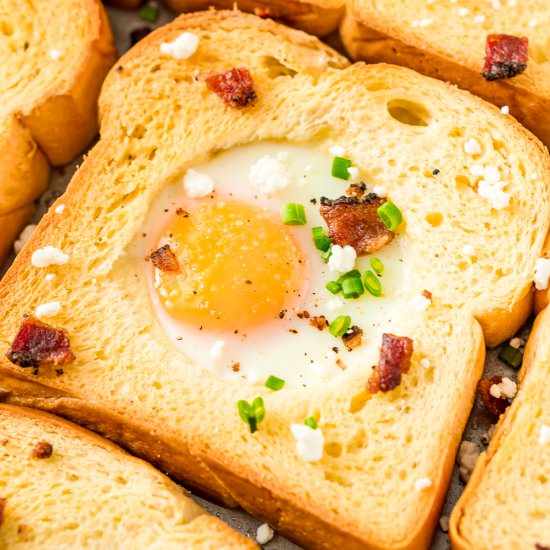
(372, 283)
(352, 287)
(322, 241)
(293, 214)
(340, 167)
(340, 325)
(377, 264)
(333, 287)
(390, 215)
(149, 12)
(311, 422)
(274, 383)
(353, 274)
(511, 356)
(252, 413)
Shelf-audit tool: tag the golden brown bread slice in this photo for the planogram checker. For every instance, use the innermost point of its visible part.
(506, 503)
(387, 458)
(55, 55)
(446, 40)
(319, 17)
(64, 487)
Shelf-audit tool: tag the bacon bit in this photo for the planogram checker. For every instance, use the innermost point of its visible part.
(495, 405)
(303, 314)
(320, 322)
(236, 367)
(395, 360)
(427, 294)
(352, 338)
(42, 449)
(505, 56)
(358, 190)
(355, 222)
(182, 212)
(235, 87)
(164, 259)
(341, 364)
(38, 344)
(3, 502)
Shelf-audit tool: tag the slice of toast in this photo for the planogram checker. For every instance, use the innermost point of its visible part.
(319, 17)
(446, 40)
(387, 458)
(65, 487)
(55, 55)
(506, 503)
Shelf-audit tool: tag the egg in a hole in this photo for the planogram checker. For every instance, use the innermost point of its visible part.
(244, 278)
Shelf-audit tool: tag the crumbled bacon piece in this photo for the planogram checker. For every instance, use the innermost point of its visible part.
(235, 87)
(358, 190)
(395, 360)
(164, 259)
(303, 314)
(355, 222)
(38, 344)
(495, 405)
(42, 449)
(352, 338)
(3, 502)
(427, 294)
(505, 56)
(319, 322)
(236, 367)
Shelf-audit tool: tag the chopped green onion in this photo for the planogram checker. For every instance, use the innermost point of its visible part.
(353, 274)
(339, 326)
(340, 167)
(293, 214)
(390, 215)
(326, 255)
(377, 264)
(352, 287)
(149, 12)
(372, 283)
(274, 383)
(322, 241)
(334, 287)
(311, 422)
(251, 413)
(511, 356)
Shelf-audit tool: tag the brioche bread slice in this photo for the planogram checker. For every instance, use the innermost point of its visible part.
(446, 40)
(319, 17)
(55, 55)
(387, 458)
(506, 503)
(64, 487)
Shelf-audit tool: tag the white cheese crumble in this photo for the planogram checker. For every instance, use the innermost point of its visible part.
(49, 255)
(216, 351)
(422, 483)
(342, 259)
(55, 54)
(542, 273)
(336, 151)
(50, 277)
(264, 534)
(335, 304)
(490, 186)
(420, 303)
(269, 175)
(544, 437)
(196, 184)
(49, 309)
(505, 110)
(506, 389)
(353, 172)
(516, 342)
(24, 236)
(183, 47)
(380, 190)
(468, 250)
(59, 209)
(472, 147)
(309, 442)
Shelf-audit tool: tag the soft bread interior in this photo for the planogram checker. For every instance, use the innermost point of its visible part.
(505, 504)
(89, 493)
(157, 120)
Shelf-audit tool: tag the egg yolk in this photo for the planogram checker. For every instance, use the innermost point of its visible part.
(239, 267)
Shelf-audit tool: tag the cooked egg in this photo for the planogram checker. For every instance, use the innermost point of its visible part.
(248, 285)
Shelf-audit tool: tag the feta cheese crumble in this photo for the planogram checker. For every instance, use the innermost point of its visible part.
(24, 236)
(516, 342)
(353, 172)
(544, 437)
(490, 187)
(216, 351)
(342, 259)
(197, 185)
(506, 389)
(183, 47)
(309, 442)
(472, 147)
(49, 255)
(269, 175)
(422, 483)
(49, 309)
(264, 534)
(542, 273)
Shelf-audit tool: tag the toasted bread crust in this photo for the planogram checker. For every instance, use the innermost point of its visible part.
(365, 38)
(260, 471)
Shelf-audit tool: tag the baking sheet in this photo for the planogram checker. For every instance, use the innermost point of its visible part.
(123, 22)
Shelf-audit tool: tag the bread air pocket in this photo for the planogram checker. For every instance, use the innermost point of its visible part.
(277, 290)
